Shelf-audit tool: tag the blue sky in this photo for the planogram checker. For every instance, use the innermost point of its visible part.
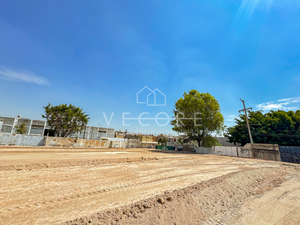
(99, 54)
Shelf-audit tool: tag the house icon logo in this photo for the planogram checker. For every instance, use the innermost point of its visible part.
(151, 98)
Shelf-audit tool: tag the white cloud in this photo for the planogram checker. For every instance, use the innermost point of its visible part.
(280, 104)
(231, 118)
(22, 76)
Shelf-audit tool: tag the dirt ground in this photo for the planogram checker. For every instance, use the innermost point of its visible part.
(140, 186)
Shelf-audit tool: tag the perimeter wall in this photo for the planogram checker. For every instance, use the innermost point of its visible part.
(21, 140)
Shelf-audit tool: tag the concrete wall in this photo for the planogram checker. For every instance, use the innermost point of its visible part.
(118, 144)
(257, 151)
(265, 154)
(21, 140)
(264, 151)
(115, 144)
(226, 151)
(270, 147)
(148, 145)
(133, 143)
(244, 153)
(73, 142)
(203, 150)
(136, 143)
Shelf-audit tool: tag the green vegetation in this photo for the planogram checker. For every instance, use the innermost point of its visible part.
(64, 119)
(162, 141)
(210, 141)
(275, 127)
(21, 129)
(183, 140)
(198, 115)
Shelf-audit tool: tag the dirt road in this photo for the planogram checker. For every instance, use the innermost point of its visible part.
(61, 186)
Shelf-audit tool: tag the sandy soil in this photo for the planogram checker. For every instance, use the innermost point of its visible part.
(138, 186)
(279, 206)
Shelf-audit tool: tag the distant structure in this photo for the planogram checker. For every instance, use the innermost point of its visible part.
(120, 134)
(94, 133)
(8, 125)
(33, 127)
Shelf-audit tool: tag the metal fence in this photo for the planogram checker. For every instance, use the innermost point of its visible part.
(290, 154)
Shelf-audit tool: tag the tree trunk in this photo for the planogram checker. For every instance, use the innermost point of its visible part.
(199, 143)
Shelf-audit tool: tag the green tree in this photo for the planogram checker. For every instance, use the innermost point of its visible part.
(65, 119)
(162, 140)
(210, 141)
(197, 115)
(21, 129)
(275, 127)
(183, 140)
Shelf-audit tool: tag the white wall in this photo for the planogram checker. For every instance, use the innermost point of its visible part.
(21, 140)
(204, 150)
(226, 150)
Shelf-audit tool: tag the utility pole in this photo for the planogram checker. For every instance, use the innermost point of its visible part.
(245, 110)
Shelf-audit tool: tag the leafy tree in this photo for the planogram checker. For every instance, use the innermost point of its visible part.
(21, 129)
(197, 115)
(162, 140)
(183, 140)
(208, 141)
(275, 127)
(65, 119)
(211, 141)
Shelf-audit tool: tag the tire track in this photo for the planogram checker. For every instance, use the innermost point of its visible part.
(118, 186)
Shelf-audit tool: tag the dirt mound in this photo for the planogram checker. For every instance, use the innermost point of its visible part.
(209, 202)
(75, 163)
